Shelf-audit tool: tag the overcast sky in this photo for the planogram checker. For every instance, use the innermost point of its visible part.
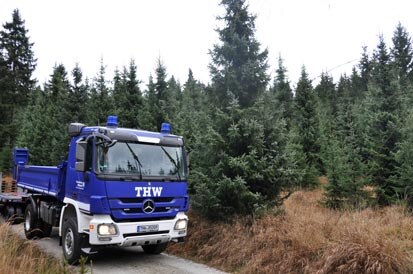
(320, 34)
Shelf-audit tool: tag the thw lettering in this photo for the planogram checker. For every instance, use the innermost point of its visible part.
(148, 191)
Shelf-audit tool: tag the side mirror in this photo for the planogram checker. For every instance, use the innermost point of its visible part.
(80, 156)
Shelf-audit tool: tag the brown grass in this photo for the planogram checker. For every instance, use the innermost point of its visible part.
(22, 256)
(306, 239)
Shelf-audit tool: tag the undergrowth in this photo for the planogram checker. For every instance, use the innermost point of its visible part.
(307, 238)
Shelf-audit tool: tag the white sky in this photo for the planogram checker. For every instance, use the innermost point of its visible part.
(320, 34)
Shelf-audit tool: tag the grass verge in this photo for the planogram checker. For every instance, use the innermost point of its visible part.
(22, 256)
(307, 238)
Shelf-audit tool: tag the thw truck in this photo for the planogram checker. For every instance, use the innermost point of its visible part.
(118, 186)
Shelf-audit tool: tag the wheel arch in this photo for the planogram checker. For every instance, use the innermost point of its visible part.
(71, 208)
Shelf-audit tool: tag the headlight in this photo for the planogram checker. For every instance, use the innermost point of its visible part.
(181, 224)
(107, 229)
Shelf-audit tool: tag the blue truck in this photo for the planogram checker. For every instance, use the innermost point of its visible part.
(118, 186)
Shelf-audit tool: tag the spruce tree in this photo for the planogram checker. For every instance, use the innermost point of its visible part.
(78, 96)
(341, 153)
(40, 131)
(152, 105)
(17, 64)
(101, 102)
(19, 58)
(283, 92)
(160, 99)
(404, 172)
(190, 119)
(306, 123)
(242, 145)
(402, 53)
(238, 68)
(384, 128)
(365, 68)
(128, 97)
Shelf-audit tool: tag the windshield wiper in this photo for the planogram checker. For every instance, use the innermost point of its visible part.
(136, 158)
(173, 162)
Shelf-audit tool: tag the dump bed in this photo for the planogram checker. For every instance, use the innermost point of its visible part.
(41, 179)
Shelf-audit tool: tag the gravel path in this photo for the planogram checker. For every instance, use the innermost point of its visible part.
(124, 260)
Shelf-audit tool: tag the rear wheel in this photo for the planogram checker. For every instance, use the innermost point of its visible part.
(19, 215)
(32, 224)
(10, 214)
(155, 249)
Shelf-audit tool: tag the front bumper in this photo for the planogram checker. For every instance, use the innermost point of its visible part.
(127, 233)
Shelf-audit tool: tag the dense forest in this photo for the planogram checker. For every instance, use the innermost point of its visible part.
(252, 139)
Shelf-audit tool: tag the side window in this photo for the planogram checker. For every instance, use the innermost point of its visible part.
(89, 153)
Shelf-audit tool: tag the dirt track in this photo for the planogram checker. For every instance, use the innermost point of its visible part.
(124, 260)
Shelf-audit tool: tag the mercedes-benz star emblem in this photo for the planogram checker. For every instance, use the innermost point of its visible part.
(148, 206)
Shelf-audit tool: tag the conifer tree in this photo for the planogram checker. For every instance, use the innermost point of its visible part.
(152, 104)
(402, 53)
(19, 58)
(35, 129)
(191, 117)
(6, 108)
(283, 92)
(172, 100)
(341, 153)
(238, 68)
(365, 69)
(327, 95)
(128, 97)
(306, 122)
(101, 102)
(78, 96)
(384, 128)
(242, 148)
(357, 91)
(160, 98)
(60, 112)
(17, 64)
(404, 172)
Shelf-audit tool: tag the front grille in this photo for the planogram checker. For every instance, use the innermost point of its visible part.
(123, 208)
(139, 210)
(130, 220)
(145, 233)
(140, 200)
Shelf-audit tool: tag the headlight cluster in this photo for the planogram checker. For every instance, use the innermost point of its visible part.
(181, 224)
(107, 230)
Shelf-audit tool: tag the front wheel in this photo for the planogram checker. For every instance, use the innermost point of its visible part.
(155, 249)
(71, 241)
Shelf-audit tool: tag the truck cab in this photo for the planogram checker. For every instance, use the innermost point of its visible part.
(118, 186)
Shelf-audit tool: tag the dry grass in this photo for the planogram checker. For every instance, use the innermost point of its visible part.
(22, 256)
(306, 239)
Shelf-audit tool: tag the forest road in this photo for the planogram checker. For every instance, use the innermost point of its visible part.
(119, 260)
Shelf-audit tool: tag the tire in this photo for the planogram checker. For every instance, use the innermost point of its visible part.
(10, 215)
(71, 241)
(154, 249)
(32, 225)
(19, 215)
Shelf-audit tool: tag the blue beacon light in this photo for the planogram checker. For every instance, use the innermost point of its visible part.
(112, 121)
(166, 128)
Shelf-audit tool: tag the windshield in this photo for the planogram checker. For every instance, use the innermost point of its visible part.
(141, 160)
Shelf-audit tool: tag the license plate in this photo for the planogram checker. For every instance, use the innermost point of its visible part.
(148, 228)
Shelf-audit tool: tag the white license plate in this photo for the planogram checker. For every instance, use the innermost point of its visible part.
(148, 228)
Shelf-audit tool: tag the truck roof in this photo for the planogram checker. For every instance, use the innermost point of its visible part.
(114, 132)
(127, 134)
